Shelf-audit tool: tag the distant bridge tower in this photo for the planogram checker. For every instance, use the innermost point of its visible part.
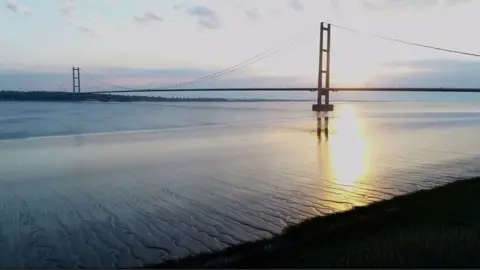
(76, 80)
(324, 71)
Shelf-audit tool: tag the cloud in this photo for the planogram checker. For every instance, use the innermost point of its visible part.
(252, 14)
(86, 30)
(179, 6)
(455, 2)
(147, 18)
(68, 7)
(18, 8)
(295, 5)
(433, 73)
(402, 4)
(395, 4)
(28, 80)
(206, 17)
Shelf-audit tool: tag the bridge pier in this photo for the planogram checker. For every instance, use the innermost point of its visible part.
(323, 90)
(322, 107)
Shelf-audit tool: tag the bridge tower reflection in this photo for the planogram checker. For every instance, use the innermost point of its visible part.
(322, 127)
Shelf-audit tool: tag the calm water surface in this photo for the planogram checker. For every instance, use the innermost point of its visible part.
(125, 185)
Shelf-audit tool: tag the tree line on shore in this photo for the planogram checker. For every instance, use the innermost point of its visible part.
(68, 96)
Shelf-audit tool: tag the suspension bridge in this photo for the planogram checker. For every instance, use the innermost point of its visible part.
(323, 87)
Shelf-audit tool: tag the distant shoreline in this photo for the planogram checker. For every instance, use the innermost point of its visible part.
(51, 96)
(70, 97)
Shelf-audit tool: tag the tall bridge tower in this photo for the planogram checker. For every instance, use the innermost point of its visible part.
(76, 80)
(323, 92)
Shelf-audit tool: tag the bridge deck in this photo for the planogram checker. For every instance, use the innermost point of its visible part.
(298, 89)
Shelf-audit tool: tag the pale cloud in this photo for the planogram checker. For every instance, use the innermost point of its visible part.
(206, 17)
(395, 4)
(456, 2)
(179, 6)
(18, 8)
(68, 7)
(415, 4)
(147, 18)
(434, 73)
(86, 30)
(252, 13)
(295, 5)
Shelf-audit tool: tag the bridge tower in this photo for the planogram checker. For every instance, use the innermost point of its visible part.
(323, 104)
(76, 80)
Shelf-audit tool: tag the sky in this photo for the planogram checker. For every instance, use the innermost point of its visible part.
(155, 43)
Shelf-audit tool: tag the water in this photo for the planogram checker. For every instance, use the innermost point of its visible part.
(126, 185)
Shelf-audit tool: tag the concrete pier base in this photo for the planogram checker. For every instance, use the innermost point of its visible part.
(322, 107)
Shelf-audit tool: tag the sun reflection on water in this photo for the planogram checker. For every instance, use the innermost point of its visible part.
(348, 151)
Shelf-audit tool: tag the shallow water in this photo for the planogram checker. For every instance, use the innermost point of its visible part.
(125, 185)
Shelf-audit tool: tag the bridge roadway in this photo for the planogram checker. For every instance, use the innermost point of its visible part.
(297, 89)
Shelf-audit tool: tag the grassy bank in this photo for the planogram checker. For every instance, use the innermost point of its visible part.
(432, 228)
